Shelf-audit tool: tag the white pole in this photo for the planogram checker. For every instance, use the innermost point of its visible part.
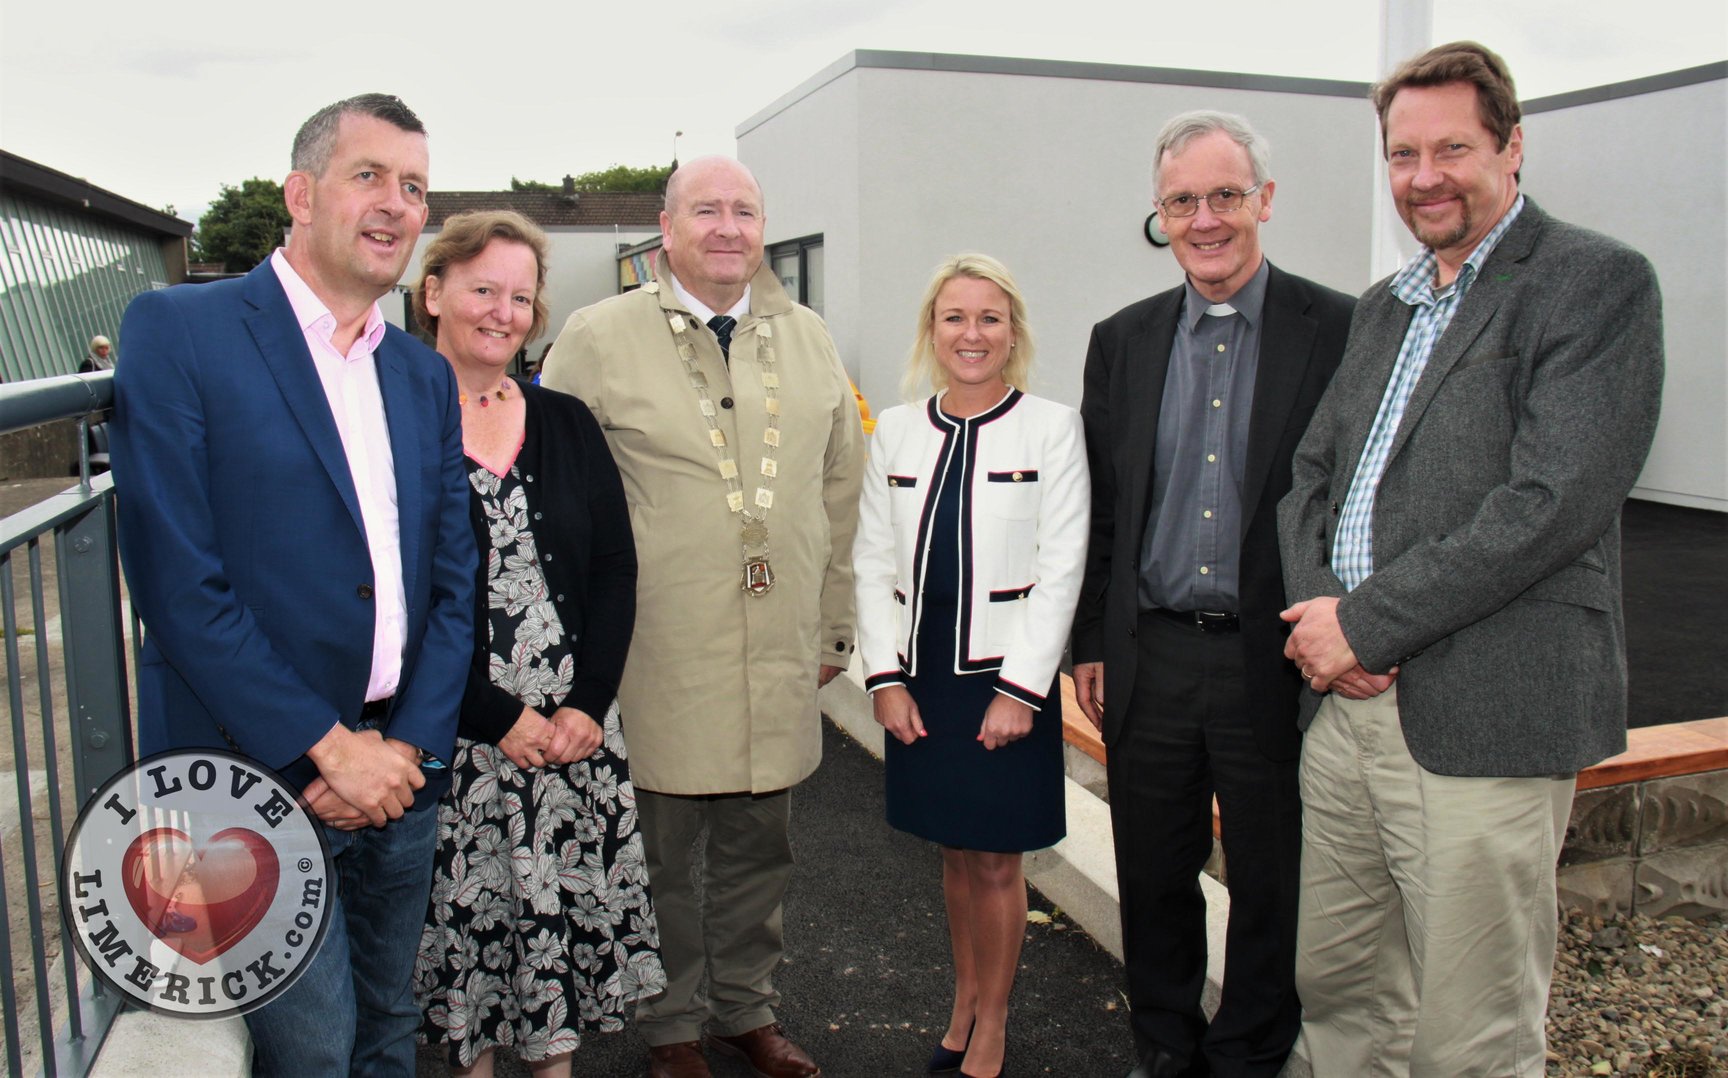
(1406, 29)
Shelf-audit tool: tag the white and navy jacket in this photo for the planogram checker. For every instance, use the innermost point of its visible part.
(1024, 522)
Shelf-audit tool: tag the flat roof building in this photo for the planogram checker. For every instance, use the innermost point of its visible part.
(885, 163)
(72, 255)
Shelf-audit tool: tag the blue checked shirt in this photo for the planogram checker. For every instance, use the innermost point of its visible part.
(1353, 543)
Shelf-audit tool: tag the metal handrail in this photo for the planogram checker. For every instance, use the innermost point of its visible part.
(64, 396)
(95, 725)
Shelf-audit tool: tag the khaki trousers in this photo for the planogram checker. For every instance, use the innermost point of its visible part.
(1427, 916)
(718, 867)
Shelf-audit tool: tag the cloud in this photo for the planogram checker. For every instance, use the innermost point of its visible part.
(216, 64)
(781, 25)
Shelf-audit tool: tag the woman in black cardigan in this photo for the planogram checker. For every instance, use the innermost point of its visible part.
(540, 923)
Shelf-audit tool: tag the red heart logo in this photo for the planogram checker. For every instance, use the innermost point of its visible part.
(200, 901)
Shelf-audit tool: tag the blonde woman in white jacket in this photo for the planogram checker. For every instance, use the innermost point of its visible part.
(971, 544)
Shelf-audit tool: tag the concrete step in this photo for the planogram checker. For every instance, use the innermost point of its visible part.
(144, 1044)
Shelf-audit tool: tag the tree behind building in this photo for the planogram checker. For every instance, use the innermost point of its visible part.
(242, 226)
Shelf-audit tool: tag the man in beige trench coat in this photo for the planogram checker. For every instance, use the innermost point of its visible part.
(738, 438)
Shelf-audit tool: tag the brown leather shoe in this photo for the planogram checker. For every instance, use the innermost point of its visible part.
(770, 1053)
(681, 1060)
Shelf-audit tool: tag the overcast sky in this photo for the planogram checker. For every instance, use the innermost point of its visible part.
(164, 101)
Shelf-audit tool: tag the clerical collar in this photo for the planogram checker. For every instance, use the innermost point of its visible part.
(702, 310)
(1248, 301)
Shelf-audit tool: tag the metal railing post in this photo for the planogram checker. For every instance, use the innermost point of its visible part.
(84, 452)
(96, 695)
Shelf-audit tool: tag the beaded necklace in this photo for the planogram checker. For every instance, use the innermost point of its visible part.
(486, 400)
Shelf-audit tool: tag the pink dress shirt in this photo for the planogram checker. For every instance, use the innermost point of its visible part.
(351, 386)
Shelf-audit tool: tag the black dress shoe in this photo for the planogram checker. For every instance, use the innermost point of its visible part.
(945, 1060)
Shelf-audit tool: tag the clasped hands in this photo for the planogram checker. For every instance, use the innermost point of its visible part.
(1319, 649)
(363, 778)
(366, 779)
(536, 741)
(1005, 720)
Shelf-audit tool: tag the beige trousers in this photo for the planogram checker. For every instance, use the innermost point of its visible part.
(1427, 917)
(719, 907)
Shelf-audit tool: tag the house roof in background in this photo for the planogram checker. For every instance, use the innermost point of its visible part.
(551, 209)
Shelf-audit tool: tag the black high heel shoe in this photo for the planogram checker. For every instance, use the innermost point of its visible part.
(945, 1060)
(1001, 1072)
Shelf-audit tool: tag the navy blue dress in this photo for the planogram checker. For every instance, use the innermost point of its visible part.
(946, 787)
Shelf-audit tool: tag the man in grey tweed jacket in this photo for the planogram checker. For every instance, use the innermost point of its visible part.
(1451, 544)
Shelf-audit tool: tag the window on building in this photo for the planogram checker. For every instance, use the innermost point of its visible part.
(798, 264)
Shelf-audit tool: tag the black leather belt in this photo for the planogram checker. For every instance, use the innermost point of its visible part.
(374, 713)
(1206, 621)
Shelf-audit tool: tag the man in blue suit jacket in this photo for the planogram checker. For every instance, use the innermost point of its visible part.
(294, 528)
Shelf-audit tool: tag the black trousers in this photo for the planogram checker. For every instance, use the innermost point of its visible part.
(1186, 736)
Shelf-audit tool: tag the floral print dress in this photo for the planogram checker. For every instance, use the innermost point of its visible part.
(540, 924)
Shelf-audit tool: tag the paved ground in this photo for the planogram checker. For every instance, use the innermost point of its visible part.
(867, 983)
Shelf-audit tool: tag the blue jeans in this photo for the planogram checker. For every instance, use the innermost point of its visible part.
(352, 1011)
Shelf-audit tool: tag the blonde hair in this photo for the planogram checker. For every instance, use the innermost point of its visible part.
(921, 365)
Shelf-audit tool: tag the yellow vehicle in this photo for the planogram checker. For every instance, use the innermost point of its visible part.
(863, 409)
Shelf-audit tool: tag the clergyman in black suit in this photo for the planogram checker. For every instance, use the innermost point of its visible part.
(1194, 402)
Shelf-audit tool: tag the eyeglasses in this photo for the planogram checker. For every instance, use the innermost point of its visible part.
(1224, 200)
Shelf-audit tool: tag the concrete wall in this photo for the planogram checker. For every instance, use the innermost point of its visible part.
(808, 165)
(1649, 169)
(902, 159)
(47, 451)
(583, 270)
(1657, 847)
(899, 168)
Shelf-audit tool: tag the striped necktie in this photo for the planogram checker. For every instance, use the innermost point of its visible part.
(722, 325)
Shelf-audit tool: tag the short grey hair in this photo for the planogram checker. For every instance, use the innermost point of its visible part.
(1183, 129)
(316, 140)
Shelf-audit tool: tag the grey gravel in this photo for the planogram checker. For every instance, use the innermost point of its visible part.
(1639, 996)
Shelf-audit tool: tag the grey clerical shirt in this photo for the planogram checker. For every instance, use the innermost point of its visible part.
(1188, 560)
